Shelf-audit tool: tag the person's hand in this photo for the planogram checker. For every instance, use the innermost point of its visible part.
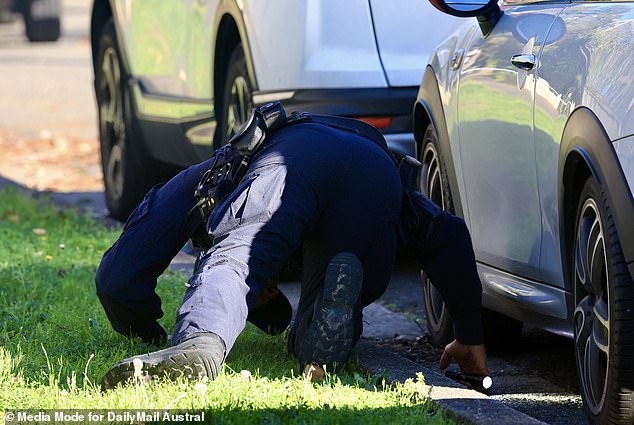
(472, 359)
(150, 333)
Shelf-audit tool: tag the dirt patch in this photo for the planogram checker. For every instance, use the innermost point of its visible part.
(418, 350)
(47, 163)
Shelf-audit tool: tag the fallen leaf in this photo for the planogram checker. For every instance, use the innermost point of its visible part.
(313, 372)
(39, 231)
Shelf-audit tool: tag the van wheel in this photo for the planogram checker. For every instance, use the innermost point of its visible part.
(604, 314)
(41, 20)
(123, 169)
(237, 97)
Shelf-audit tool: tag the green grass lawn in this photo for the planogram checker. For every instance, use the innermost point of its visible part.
(56, 343)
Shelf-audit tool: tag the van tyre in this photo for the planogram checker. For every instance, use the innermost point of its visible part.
(125, 172)
(604, 314)
(42, 20)
(237, 97)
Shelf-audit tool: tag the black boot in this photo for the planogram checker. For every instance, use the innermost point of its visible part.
(200, 355)
(336, 321)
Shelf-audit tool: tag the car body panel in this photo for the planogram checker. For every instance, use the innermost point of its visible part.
(156, 49)
(625, 151)
(313, 44)
(291, 47)
(572, 111)
(400, 52)
(524, 299)
(326, 44)
(588, 63)
(495, 117)
(586, 141)
(437, 97)
(170, 85)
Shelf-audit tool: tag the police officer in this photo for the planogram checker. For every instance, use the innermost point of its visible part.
(330, 188)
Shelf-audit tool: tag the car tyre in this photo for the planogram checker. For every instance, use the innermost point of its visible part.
(433, 183)
(41, 20)
(604, 314)
(237, 97)
(124, 171)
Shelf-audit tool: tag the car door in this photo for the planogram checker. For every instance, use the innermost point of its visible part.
(171, 51)
(495, 115)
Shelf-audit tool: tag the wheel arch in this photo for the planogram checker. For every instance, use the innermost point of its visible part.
(101, 12)
(429, 110)
(231, 31)
(585, 151)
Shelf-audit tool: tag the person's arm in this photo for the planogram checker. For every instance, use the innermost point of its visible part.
(442, 246)
(449, 262)
(153, 235)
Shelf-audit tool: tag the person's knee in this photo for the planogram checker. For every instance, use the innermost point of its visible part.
(103, 277)
(110, 275)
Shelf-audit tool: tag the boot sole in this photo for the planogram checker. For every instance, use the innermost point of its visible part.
(190, 364)
(330, 336)
(173, 368)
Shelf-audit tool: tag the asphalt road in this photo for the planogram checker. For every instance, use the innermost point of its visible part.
(46, 89)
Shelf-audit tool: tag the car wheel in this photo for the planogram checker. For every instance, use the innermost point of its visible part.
(123, 171)
(604, 314)
(433, 184)
(41, 20)
(237, 97)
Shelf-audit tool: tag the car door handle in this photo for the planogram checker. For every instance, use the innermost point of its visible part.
(526, 62)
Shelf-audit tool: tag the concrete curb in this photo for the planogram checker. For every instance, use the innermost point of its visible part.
(464, 405)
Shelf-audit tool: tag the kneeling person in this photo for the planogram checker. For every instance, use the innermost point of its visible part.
(325, 188)
(328, 187)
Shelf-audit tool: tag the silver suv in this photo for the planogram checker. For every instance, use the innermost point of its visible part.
(524, 125)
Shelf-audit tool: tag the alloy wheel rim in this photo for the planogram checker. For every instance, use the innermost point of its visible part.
(112, 122)
(592, 315)
(240, 105)
(431, 183)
